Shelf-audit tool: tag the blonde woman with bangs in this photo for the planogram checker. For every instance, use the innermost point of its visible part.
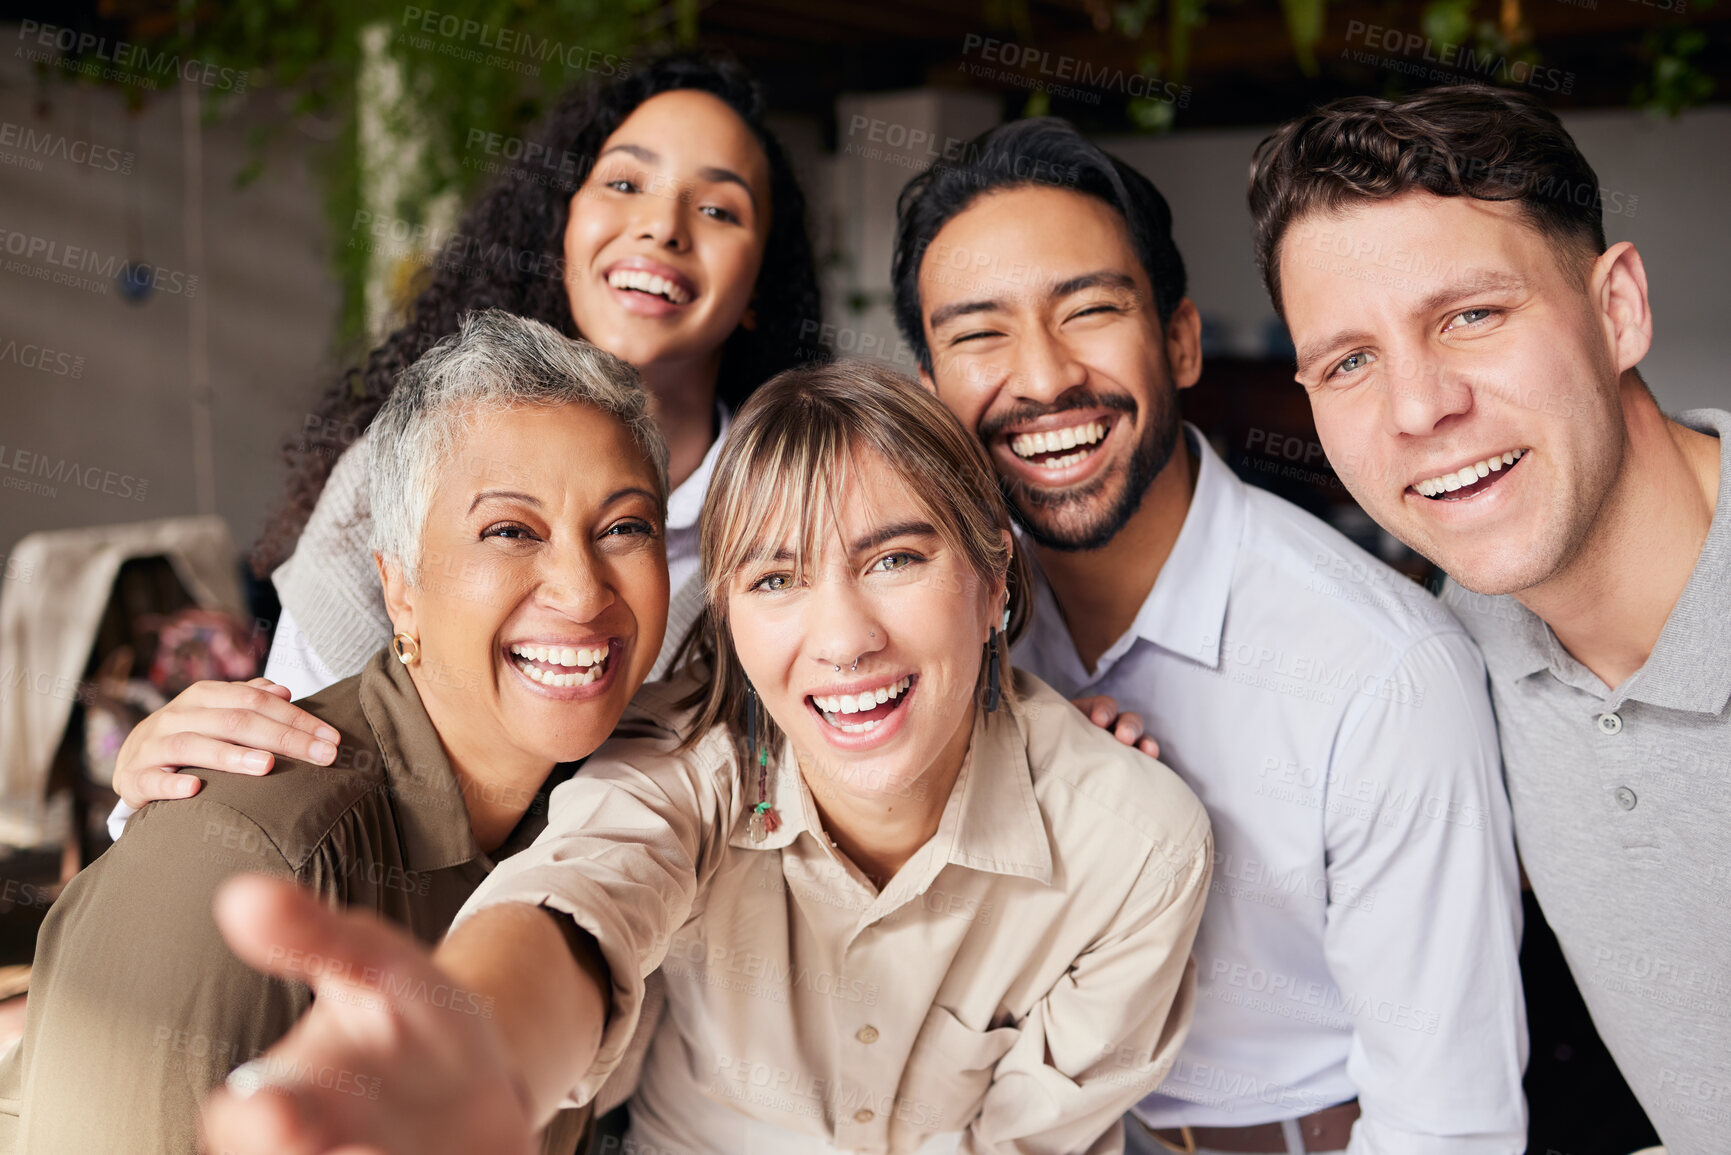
(901, 897)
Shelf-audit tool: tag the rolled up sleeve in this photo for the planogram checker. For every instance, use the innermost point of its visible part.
(628, 840)
(1424, 918)
(1109, 1032)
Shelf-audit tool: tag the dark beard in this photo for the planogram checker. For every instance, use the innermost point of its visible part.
(1152, 453)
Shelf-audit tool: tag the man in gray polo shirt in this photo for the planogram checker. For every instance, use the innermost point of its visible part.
(1469, 343)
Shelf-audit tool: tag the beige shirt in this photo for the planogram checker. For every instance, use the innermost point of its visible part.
(1022, 980)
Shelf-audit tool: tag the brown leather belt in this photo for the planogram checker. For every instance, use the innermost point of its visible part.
(1329, 1129)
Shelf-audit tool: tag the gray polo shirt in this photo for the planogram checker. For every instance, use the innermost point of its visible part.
(1622, 804)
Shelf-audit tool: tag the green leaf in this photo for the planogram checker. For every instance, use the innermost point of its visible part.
(1181, 17)
(1304, 25)
(1151, 115)
(1131, 18)
(1448, 21)
(1676, 82)
(685, 23)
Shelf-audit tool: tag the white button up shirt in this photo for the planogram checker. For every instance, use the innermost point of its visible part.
(1362, 936)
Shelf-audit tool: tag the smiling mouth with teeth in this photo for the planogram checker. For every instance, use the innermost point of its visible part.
(560, 666)
(864, 711)
(1058, 448)
(644, 281)
(1470, 479)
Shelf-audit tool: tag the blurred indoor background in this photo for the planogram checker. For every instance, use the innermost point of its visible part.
(207, 209)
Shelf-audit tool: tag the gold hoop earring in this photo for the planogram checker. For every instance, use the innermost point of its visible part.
(406, 648)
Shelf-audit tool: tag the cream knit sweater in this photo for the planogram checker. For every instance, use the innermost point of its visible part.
(331, 583)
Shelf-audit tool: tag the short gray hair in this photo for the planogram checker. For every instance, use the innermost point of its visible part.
(495, 361)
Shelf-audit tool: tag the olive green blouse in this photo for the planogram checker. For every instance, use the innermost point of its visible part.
(137, 1008)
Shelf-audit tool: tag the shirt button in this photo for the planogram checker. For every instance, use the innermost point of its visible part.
(1610, 724)
(867, 1035)
(863, 1115)
(1625, 798)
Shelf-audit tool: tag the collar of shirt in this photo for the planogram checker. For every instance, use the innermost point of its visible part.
(1185, 611)
(1690, 666)
(686, 502)
(991, 821)
(430, 809)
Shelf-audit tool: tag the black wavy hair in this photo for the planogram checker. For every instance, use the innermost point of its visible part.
(509, 239)
(1044, 150)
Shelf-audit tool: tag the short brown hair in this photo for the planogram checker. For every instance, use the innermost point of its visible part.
(1463, 140)
(785, 455)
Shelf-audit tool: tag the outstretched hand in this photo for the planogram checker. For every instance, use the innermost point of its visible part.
(392, 1058)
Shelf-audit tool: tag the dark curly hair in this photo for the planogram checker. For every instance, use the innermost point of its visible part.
(1469, 140)
(1041, 150)
(505, 245)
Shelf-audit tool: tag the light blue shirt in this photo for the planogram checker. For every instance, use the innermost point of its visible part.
(1363, 934)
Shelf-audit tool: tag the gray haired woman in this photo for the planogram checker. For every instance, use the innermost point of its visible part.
(518, 491)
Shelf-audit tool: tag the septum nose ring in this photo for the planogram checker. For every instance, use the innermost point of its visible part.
(855, 665)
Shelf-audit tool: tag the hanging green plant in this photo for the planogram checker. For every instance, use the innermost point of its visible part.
(1676, 82)
(1304, 26)
(1146, 112)
(469, 79)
